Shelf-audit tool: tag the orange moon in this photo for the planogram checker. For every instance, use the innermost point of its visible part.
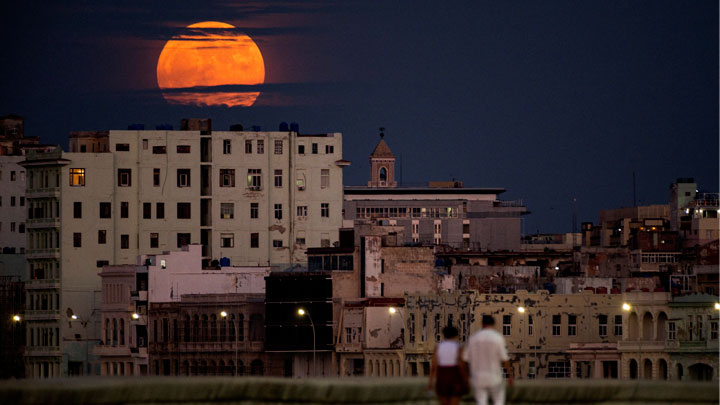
(211, 54)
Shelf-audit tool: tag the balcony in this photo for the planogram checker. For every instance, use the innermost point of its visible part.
(42, 351)
(37, 223)
(42, 284)
(349, 348)
(42, 315)
(42, 253)
(42, 192)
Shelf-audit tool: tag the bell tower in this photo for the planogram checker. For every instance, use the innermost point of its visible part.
(382, 165)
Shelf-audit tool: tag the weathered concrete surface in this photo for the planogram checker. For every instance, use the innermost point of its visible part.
(227, 390)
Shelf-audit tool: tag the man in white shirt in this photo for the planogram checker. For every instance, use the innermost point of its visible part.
(485, 352)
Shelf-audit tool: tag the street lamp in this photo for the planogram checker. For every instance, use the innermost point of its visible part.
(393, 311)
(303, 312)
(627, 308)
(532, 370)
(18, 318)
(717, 306)
(224, 314)
(83, 323)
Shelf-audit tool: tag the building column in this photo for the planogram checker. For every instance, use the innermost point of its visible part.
(573, 364)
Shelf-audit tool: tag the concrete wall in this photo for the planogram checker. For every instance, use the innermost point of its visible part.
(12, 203)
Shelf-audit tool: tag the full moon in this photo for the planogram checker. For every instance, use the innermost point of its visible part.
(210, 54)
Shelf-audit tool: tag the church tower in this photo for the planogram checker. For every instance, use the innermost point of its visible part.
(382, 165)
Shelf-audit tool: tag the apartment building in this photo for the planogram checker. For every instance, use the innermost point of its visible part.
(250, 198)
(165, 317)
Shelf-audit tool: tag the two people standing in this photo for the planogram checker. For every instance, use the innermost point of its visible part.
(484, 354)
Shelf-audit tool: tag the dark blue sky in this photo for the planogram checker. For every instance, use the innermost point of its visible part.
(549, 99)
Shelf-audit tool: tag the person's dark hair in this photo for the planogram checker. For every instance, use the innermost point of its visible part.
(488, 320)
(450, 332)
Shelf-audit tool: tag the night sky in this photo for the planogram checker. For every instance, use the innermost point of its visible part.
(548, 99)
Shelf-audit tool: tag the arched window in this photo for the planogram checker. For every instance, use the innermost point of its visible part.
(186, 328)
(222, 370)
(204, 329)
(232, 327)
(107, 332)
(122, 331)
(212, 369)
(114, 332)
(241, 327)
(383, 174)
(647, 326)
(633, 366)
(213, 328)
(647, 369)
(662, 369)
(186, 367)
(223, 329)
(256, 327)
(240, 368)
(196, 328)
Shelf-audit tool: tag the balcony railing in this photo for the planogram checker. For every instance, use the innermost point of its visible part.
(42, 253)
(43, 223)
(42, 192)
(42, 284)
(42, 315)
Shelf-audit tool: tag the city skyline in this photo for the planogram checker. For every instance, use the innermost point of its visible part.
(550, 101)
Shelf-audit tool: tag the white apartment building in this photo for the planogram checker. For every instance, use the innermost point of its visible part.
(12, 204)
(250, 198)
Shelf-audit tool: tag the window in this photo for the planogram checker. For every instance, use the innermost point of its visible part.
(124, 177)
(183, 210)
(277, 243)
(144, 144)
(77, 209)
(248, 146)
(147, 210)
(227, 146)
(602, 322)
(507, 325)
(183, 149)
(438, 330)
(102, 237)
(530, 325)
(160, 210)
(438, 227)
(572, 325)
(260, 146)
(713, 330)
(101, 263)
(300, 241)
(618, 325)
(278, 147)
(12, 201)
(329, 149)
(22, 202)
(558, 369)
(301, 149)
(183, 177)
(105, 210)
(314, 149)
(415, 227)
(227, 240)
(302, 211)
(278, 211)
(254, 179)
(77, 177)
(12, 175)
(325, 210)
(227, 210)
(556, 325)
(154, 240)
(124, 241)
(672, 331)
(254, 240)
(124, 209)
(254, 210)
(227, 177)
(324, 178)
(183, 239)
(278, 178)
(122, 147)
(77, 239)
(12, 226)
(156, 177)
(158, 150)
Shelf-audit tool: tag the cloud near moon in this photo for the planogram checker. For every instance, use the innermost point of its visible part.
(210, 54)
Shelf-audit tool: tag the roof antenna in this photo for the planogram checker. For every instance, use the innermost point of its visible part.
(382, 132)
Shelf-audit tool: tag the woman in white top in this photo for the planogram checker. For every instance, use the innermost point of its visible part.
(448, 372)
